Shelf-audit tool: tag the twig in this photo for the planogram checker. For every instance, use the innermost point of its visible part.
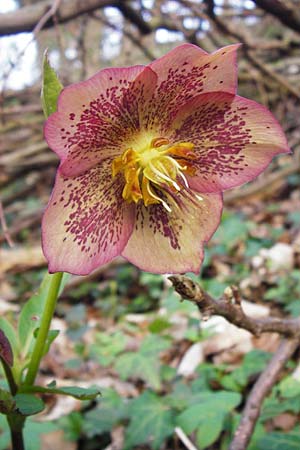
(43, 20)
(184, 439)
(229, 306)
(6, 234)
(149, 55)
(261, 388)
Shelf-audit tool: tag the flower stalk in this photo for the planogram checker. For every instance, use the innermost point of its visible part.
(38, 350)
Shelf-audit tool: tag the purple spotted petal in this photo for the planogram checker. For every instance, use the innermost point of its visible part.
(164, 242)
(87, 223)
(91, 123)
(235, 139)
(188, 71)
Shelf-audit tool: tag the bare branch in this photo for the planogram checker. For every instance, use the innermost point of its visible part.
(286, 15)
(259, 391)
(26, 18)
(229, 306)
(134, 17)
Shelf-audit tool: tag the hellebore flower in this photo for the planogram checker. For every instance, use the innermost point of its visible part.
(146, 152)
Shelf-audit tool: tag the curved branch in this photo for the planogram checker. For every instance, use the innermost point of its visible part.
(229, 306)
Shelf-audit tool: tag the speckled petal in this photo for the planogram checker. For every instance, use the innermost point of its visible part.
(138, 101)
(91, 123)
(235, 139)
(87, 223)
(187, 71)
(164, 242)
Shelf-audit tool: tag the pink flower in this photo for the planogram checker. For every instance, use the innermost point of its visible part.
(145, 155)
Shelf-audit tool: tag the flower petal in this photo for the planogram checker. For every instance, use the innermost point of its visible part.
(164, 242)
(91, 123)
(187, 71)
(139, 101)
(87, 223)
(235, 139)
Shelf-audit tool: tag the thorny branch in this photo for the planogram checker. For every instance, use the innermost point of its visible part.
(229, 306)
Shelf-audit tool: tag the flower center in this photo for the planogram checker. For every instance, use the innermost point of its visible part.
(160, 166)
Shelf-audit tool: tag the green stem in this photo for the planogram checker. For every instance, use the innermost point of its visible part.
(16, 424)
(15, 420)
(42, 335)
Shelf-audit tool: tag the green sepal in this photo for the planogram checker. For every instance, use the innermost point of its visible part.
(51, 87)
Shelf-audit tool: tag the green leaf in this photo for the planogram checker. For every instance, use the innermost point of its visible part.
(289, 387)
(210, 429)
(180, 397)
(151, 422)
(50, 89)
(73, 391)
(145, 363)
(138, 365)
(272, 407)
(233, 228)
(108, 346)
(30, 316)
(28, 404)
(209, 404)
(102, 419)
(253, 363)
(279, 441)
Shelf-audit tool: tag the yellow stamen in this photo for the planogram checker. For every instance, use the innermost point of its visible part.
(154, 170)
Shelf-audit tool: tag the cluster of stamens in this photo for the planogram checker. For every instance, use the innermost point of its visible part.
(160, 166)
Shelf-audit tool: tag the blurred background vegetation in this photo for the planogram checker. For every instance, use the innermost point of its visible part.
(158, 364)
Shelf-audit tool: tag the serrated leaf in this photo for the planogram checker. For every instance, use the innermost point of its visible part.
(138, 365)
(151, 422)
(28, 404)
(208, 404)
(279, 441)
(73, 391)
(108, 346)
(145, 363)
(102, 419)
(30, 316)
(51, 88)
(6, 353)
